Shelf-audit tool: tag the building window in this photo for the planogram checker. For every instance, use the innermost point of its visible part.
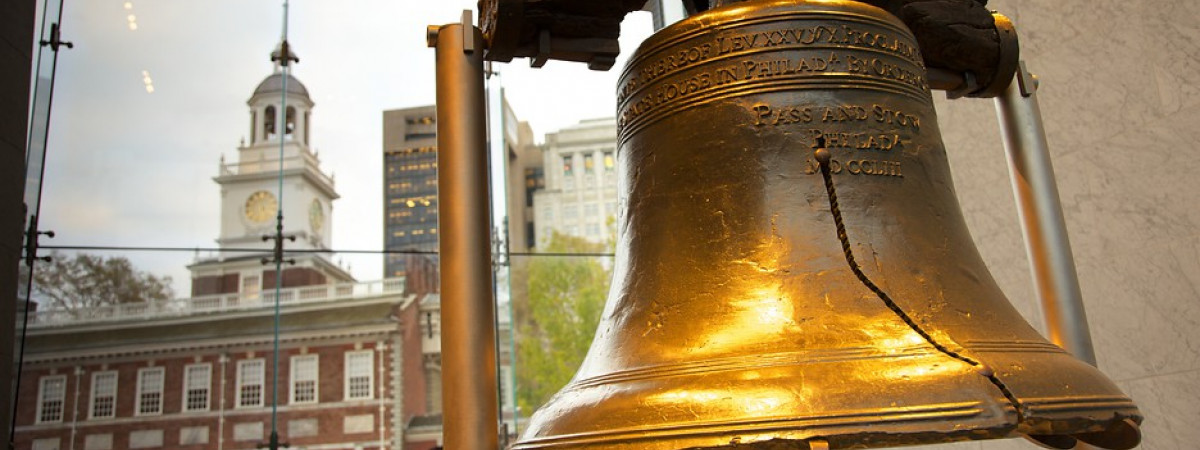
(250, 377)
(304, 379)
(360, 375)
(591, 209)
(104, 395)
(197, 382)
(251, 287)
(569, 212)
(568, 162)
(608, 161)
(52, 390)
(589, 164)
(150, 390)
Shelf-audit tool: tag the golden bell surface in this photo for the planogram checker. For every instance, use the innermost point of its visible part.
(736, 318)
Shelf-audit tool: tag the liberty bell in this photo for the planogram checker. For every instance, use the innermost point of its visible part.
(793, 268)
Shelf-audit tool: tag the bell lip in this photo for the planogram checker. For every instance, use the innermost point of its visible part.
(967, 408)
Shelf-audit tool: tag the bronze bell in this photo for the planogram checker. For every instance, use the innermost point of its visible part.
(747, 312)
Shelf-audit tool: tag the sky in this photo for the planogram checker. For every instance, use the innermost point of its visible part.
(132, 168)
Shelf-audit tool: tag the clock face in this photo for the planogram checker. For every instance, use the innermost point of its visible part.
(260, 206)
(316, 216)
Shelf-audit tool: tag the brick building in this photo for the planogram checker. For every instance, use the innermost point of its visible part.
(198, 373)
(421, 356)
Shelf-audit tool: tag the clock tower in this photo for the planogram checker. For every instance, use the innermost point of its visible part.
(275, 172)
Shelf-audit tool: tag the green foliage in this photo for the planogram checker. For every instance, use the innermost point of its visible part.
(87, 281)
(556, 324)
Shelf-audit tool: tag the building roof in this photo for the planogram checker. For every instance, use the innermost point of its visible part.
(273, 84)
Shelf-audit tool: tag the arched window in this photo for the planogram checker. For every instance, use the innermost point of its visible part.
(289, 124)
(253, 126)
(269, 122)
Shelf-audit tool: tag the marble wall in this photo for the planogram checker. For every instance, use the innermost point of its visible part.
(1120, 95)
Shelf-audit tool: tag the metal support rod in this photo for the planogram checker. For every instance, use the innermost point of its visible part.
(468, 331)
(1041, 215)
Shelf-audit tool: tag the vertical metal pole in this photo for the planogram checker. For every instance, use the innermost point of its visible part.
(1041, 217)
(468, 311)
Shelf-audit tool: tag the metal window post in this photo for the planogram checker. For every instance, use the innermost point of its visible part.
(468, 313)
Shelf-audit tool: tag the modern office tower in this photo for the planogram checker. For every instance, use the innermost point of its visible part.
(410, 182)
(409, 185)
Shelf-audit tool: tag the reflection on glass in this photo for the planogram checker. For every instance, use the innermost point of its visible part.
(159, 260)
(557, 301)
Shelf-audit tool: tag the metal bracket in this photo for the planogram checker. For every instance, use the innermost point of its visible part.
(31, 242)
(284, 56)
(1026, 82)
(277, 253)
(468, 30)
(56, 39)
(543, 50)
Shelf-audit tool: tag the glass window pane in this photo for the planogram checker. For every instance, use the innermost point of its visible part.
(104, 395)
(304, 378)
(197, 383)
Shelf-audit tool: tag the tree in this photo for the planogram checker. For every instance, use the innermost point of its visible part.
(558, 319)
(87, 281)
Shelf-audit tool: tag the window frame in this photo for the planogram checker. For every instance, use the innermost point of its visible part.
(250, 285)
(92, 396)
(240, 383)
(187, 381)
(62, 400)
(294, 378)
(568, 165)
(347, 375)
(140, 391)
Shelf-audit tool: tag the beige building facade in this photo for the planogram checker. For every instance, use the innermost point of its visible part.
(581, 182)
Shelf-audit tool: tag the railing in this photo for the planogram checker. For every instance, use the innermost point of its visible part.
(216, 303)
(272, 164)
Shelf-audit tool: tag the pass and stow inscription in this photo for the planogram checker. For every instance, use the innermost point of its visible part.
(765, 114)
(899, 123)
